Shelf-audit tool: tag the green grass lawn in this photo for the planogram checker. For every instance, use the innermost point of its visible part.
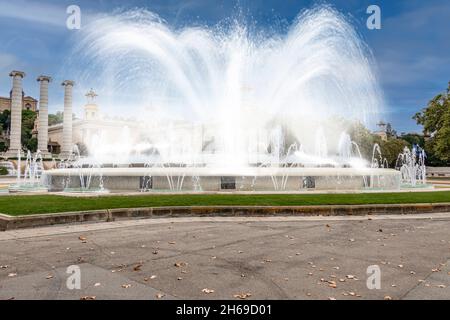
(23, 205)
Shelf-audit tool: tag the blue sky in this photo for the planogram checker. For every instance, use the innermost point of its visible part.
(412, 49)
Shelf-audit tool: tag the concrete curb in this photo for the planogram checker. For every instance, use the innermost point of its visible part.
(38, 220)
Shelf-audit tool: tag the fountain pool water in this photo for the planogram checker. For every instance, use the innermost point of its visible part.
(227, 107)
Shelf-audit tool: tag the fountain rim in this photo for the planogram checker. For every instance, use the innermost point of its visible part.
(223, 171)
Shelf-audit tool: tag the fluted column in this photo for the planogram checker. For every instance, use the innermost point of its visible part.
(15, 144)
(43, 116)
(67, 145)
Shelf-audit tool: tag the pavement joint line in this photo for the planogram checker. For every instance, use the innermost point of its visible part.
(419, 284)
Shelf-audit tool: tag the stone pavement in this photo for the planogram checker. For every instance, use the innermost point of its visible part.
(222, 257)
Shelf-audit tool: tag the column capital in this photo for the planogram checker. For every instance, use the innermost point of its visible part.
(17, 73)
(44, 78)
(68, 83)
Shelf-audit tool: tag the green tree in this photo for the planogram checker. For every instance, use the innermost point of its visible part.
(435, 119)
(3, 171)
(28, 119)
(32, 144)
(414, 138)
(55, 118)
(391, 148)
(363, 138)
(5, 120)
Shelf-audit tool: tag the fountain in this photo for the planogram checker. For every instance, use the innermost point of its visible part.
(227, 108)
(30, 180)
(411, 164)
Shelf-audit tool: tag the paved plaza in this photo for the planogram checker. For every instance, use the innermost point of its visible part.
(231, 258)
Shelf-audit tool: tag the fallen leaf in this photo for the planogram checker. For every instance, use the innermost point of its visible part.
(332, 284)
(208, 291)
(242, 295)
(88, 298)
(180, 264)
(126, 286)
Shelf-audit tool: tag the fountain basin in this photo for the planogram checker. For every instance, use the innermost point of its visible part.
(277, 179)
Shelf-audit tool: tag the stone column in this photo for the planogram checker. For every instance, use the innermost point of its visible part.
(67, 144)
(15, 144)
(43, 116)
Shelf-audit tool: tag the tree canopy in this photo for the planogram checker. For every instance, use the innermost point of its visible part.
(435, 119)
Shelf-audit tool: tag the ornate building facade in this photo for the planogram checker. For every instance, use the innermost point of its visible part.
(28, 103)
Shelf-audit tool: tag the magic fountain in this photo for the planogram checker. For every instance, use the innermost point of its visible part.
(228, 108)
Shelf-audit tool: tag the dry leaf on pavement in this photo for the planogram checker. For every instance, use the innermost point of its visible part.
(208, 291)
(242, 295)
